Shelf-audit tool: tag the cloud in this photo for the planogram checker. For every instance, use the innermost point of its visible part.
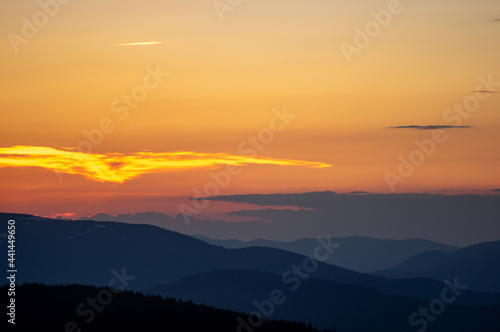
(484, 91)
(473, 218)
(431, 127)
(496, 20)
(469, 219)
(496, 190)
(118, 167)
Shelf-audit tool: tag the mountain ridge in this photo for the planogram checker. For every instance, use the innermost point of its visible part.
(477, 264)
(365, 254)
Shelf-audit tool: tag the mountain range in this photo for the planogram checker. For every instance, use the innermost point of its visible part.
(357, 253)
(324, 303)
(477, 265)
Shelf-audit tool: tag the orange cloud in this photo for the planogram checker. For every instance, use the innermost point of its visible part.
(118, 167)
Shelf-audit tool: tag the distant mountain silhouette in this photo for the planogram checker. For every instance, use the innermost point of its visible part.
(361, 254)
(86, 252)
(51, 308)
(459, 220)
(323, 303)
(478, 266)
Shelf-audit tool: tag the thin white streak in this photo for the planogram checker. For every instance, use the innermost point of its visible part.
(139, 43)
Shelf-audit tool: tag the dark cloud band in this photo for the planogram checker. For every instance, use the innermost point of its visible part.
(429, 127)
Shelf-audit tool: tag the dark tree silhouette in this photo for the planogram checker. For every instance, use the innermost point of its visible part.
(78, 308)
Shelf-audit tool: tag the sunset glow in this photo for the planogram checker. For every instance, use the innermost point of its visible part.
(220, 154)
(98, 77)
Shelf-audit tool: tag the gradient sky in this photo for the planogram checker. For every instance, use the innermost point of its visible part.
(226, 81)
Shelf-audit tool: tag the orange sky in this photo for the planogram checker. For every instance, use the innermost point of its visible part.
(227, 80)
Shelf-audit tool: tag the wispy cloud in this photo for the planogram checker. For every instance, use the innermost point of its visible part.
(428, 127)
(118, 167)
(484, 91)
(496, 20)
(139, 43)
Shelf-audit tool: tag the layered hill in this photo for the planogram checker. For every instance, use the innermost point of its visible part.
(478, 266)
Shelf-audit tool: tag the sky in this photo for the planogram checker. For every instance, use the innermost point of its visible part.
(129, 106)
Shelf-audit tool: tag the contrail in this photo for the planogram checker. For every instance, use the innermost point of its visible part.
(140, 43)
